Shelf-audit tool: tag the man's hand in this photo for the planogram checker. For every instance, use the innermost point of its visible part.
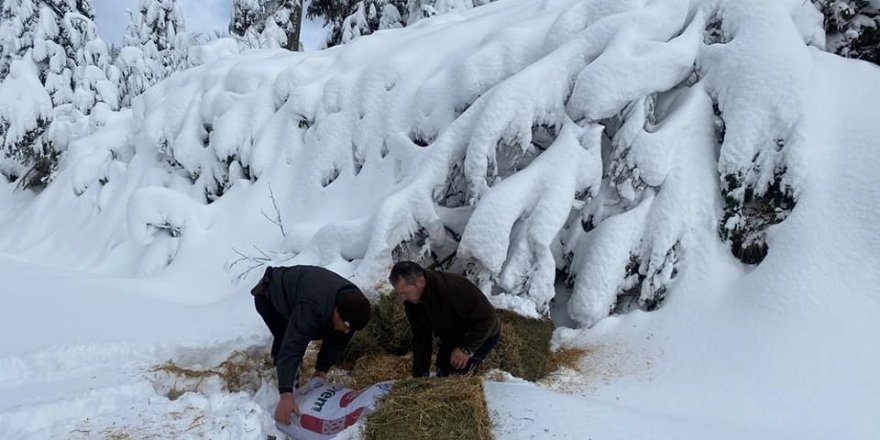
(285, 407)
(458, 359)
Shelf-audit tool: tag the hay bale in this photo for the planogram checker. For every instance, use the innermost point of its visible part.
(374, 368)
(524, 347)
(430, 408)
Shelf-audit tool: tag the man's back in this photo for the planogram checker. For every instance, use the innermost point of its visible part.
(305, 284)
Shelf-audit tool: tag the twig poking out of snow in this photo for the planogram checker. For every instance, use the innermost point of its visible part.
(277, 219)
(249, 262)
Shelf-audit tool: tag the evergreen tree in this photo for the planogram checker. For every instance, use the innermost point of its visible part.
(94, 77)
(135, 73)
(267, 23)
(158, 31)
(246, 16)
(350, 19)
(18, 18)
(51, 52)
(852, 28)
(288, 16)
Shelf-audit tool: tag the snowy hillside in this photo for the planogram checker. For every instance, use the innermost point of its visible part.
(701, 170)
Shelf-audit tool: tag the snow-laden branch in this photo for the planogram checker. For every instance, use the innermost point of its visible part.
(540, 143)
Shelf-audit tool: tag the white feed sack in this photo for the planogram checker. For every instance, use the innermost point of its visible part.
(327, 409)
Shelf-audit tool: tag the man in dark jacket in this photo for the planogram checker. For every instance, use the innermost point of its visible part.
(304, 303)
(450, 307)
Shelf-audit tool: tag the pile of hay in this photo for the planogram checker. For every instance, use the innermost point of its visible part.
(524, 347)
(375, 354)
(430, 408)
(387, 332)
(451, 407)
(241, 371)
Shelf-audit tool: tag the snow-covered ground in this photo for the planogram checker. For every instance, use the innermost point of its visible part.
(122, 264)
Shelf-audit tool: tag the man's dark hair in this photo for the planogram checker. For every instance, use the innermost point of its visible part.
(406, 270)
(354, 308)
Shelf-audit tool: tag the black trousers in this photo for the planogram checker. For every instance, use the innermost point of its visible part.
(277, 326)
(445, 351)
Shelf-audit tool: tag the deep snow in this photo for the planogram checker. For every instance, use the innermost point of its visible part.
(90, 301)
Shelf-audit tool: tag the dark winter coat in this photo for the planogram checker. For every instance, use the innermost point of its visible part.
(306, 296)
(453, 309)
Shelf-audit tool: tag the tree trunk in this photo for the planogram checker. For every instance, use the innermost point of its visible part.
(296, 24)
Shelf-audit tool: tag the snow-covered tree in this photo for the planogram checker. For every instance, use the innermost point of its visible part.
(288, 17)
(853, 27)
(94, 78)
(350, 19)
(156, 45)
(600, 147)
(17, 21)
(245, 16)
(55, 43)
(135, 73)
(267, 23)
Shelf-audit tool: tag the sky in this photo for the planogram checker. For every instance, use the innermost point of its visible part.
(201, 16)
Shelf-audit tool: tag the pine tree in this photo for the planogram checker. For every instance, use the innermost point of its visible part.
(852, 28)
(246, 15)
(134, 73)
(267, 23)
(51, 49)
(158, 33)
(348, 19)
(18, 18)
(93, 77)
(288, 16)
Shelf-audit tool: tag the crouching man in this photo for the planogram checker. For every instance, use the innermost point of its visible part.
(304, 303)
(450, 307)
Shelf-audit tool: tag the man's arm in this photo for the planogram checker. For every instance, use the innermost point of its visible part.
(302, 325)
(331, 348)
(422, 339)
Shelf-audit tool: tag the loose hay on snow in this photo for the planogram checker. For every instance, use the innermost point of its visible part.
(242, 371)
(568, 357)
(431, 408)
(524, 347)
(452, 407)
(387, 332)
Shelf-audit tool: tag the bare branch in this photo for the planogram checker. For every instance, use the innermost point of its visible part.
(250, 262)
(277, 220)
(265, 256)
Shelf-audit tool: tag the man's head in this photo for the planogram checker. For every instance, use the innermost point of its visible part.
(408, 279)
(352, 311)
(262, 287)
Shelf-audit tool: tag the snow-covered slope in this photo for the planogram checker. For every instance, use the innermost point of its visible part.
(786, 347)
(538, 142)
(609, 142)
(784, 350)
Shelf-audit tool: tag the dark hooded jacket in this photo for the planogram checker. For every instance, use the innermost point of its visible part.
(306, 296)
